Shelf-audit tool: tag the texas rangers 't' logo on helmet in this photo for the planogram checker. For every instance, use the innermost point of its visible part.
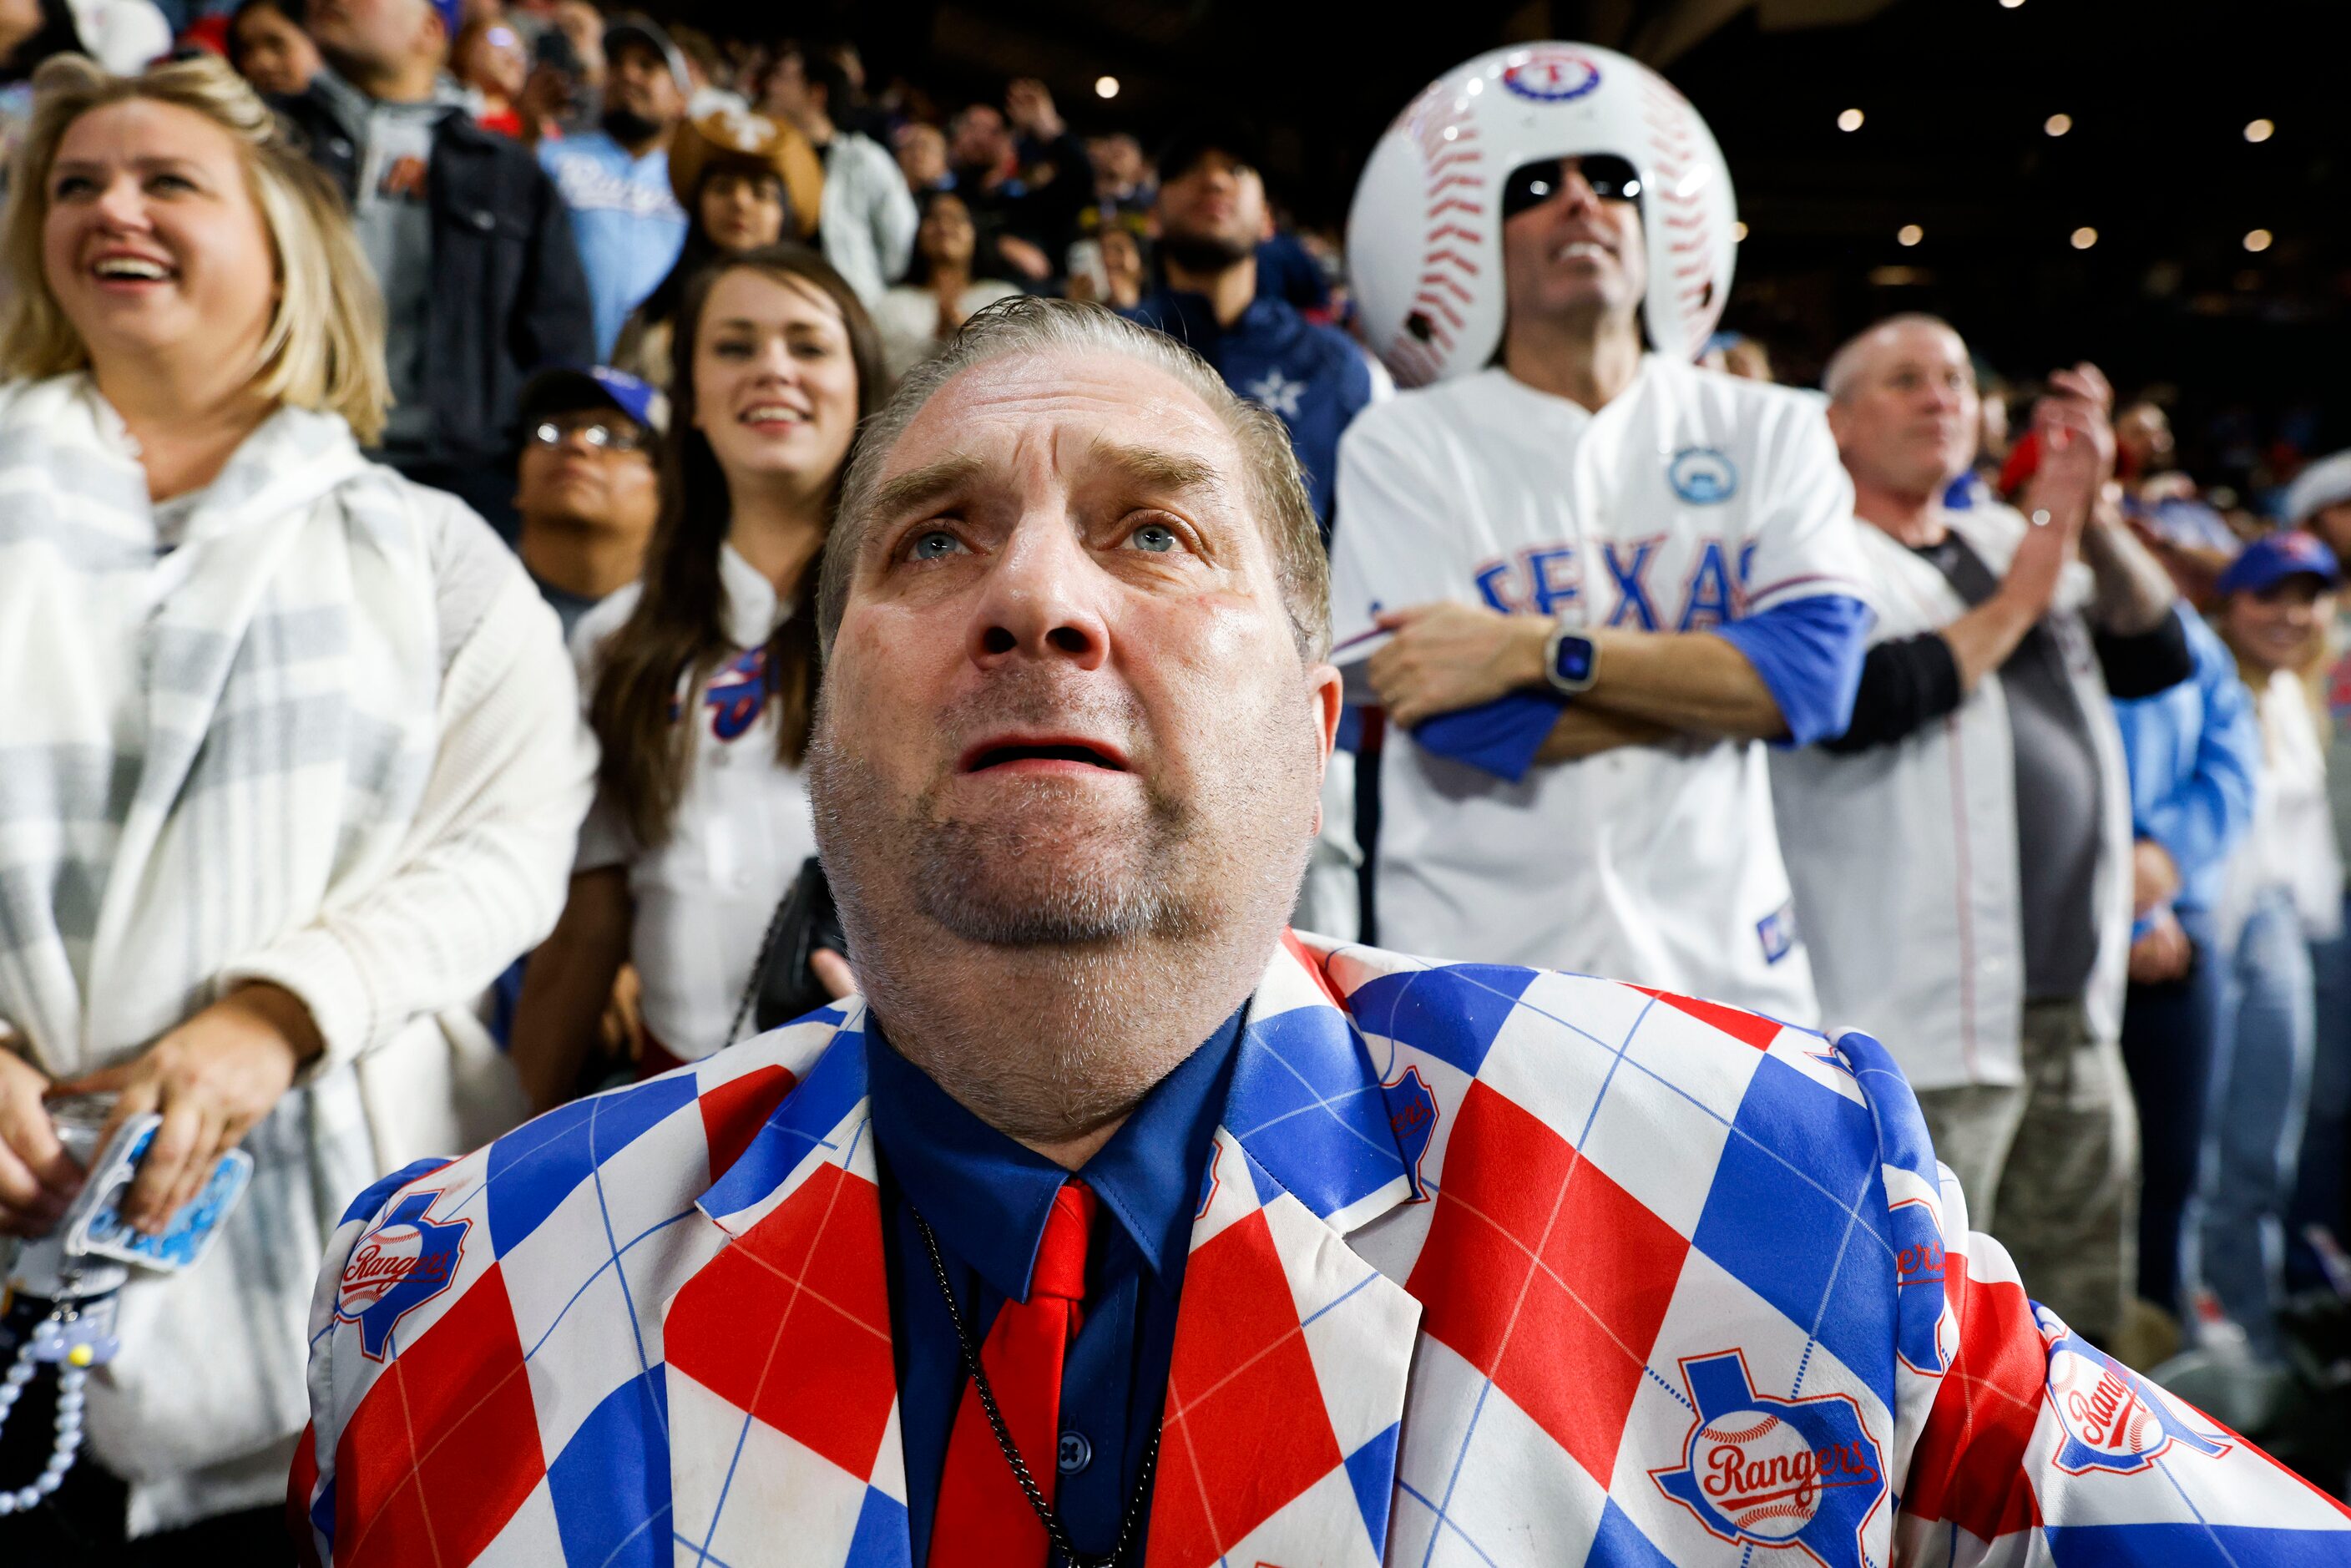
(1425, 235)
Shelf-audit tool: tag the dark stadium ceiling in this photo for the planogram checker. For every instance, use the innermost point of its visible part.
(1955, 97)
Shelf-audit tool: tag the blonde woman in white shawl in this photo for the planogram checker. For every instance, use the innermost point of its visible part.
(291, 767)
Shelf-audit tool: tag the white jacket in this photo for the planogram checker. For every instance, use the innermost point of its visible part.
(1902, 857)
(867, 218)
(320, 732)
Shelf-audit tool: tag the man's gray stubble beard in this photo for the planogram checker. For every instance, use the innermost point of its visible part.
(964, 872)
(1042, 1061)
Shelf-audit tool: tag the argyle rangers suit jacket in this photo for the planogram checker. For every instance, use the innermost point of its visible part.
(1491, 1264)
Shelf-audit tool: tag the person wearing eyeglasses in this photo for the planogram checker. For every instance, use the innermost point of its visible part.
(585, 487)
(701, 681)
(1603, 575)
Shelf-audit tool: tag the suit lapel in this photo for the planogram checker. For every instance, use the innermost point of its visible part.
(1292, 1352)
(783, 1410)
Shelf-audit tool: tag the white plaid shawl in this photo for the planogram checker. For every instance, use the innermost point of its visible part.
(329, 740)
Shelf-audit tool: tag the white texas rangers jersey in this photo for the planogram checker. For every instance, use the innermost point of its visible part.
(1690, 500)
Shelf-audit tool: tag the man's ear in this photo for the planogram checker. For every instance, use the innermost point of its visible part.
(1327, 690)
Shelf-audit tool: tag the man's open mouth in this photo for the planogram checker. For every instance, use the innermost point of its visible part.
(1008, 753)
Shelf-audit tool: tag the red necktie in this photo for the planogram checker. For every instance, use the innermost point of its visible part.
(984, 1520)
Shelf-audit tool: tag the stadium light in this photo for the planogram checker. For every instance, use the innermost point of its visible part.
(2260, 130)
(2058, 124)
(1849, 121)
(2084, 237)
(1910, 234)
(2258, 240)
(1106, 86)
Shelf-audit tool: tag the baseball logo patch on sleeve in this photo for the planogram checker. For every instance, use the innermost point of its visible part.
(2113, 1420)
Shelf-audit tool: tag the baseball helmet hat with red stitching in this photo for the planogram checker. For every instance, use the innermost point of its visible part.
(1424, 235)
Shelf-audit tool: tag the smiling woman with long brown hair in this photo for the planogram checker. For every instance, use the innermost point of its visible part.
(702, 684)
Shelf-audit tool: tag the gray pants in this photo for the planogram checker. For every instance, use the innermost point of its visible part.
(2050, 1167)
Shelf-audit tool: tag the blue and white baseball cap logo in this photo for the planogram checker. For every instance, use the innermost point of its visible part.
(1552, 76)
(1702, 476)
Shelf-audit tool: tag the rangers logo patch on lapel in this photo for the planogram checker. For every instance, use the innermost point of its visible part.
(1412, 1117)
(399, 1266)
(1760, 1471)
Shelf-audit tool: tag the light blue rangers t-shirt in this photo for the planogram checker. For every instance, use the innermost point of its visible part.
(629, 226)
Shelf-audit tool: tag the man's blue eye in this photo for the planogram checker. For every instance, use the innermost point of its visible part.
(933, 543)
(1157, 537)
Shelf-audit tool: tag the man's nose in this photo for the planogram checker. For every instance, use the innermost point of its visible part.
(1576, 194)
(1039, 601)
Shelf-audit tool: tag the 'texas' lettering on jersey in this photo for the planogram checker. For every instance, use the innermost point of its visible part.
(1545, 579)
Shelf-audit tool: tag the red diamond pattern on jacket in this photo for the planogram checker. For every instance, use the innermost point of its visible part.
(1244, 1425)
(1580, 1276)
(444, 1447)
(810, 1273)
(1753, 1028)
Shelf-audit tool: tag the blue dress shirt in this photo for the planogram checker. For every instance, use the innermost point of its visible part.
(985, 1197)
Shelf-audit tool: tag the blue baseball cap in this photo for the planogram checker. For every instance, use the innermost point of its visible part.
(453, 18)
(2271, 559)
(563, 389)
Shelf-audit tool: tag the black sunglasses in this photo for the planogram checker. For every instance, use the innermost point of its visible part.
(1612, 179)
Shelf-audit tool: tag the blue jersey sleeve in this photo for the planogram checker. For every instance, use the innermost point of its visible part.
(1809, 653)
(1501, 737)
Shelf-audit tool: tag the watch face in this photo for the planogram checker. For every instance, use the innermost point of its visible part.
(1573, 664)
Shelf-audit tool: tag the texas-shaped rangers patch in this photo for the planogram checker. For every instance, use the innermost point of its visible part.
(1761, 1471)
(402, 1263)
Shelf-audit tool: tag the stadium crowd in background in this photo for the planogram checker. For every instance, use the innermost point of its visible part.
(2043, 749)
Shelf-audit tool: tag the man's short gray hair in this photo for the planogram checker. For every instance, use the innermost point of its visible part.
(1275, 489)
(1844, 365)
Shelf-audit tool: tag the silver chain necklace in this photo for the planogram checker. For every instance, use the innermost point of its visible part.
(1029, 1487)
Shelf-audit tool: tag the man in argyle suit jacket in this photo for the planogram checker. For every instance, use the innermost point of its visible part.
(1488, 1265)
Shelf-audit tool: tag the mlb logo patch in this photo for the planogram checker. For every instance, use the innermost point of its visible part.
(1777, 931)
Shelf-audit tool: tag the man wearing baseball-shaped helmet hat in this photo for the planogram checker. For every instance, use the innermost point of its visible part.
(1585, 579)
